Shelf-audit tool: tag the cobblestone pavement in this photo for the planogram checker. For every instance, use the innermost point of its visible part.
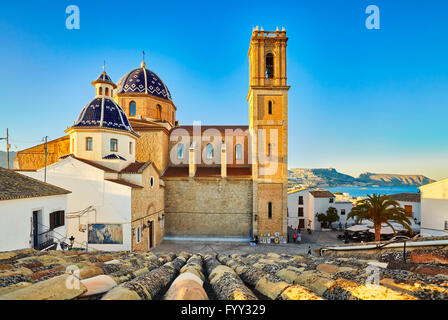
(315, 240)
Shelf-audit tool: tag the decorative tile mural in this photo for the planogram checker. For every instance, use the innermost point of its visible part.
(101, 233)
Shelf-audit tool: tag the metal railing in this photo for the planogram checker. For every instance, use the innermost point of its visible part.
(45, 239)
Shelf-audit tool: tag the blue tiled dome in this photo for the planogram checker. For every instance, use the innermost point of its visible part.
(142, 80)
(105, 113)
(104, 78)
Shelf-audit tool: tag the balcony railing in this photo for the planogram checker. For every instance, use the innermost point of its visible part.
(45, 239)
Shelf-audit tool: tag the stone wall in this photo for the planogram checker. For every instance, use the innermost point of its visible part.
(34, 158)
(208, 208)
(147, 205)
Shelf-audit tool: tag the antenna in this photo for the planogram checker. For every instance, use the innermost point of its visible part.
(104, 65)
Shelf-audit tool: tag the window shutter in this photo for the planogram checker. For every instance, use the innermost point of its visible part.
(62, 218)
(52, 216)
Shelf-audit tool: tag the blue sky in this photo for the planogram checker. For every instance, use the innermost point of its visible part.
(360, 100)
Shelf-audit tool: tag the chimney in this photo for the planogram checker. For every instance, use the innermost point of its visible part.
(223, 160)
(192, 160)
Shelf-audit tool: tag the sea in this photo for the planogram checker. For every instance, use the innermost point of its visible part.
(364, 191)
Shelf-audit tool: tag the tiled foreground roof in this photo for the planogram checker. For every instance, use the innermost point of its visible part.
(28, 274)
(14, 185)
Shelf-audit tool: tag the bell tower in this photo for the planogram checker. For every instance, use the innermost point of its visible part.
(268, 125)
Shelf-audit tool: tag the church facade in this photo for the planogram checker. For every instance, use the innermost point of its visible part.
(184, 181)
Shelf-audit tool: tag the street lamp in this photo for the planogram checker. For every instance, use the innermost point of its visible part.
(72, 241)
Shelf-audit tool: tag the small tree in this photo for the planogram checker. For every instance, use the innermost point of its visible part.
(380, 209)
(327, 219)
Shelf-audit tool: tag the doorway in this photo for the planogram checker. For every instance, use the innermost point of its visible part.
(301, 223)
(150, 231)
(37, 216)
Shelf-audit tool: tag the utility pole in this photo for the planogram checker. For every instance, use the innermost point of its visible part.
(46, 152)
(8, 146)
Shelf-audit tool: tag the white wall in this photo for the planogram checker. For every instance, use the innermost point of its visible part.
(16, 216)
(312, 206)
(101, 147)
(434, 208)
(293, 205)
(111, 201)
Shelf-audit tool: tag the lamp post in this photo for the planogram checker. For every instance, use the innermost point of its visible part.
(72, 241)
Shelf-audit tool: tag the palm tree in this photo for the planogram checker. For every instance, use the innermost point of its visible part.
(380, 209)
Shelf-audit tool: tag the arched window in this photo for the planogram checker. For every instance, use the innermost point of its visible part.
(209, 150)
(130, 147)
(269, 65)
(270, 210)
(159, 112)
(113, 145)
(101, 91)
(270, 107)
(180, 151)
(269, 150)
(151, 182)
(106, 91)
(238, 152)
(132, 108)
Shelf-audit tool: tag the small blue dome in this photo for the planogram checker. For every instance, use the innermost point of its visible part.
(104, 113)
(104, 78)
(142, 80)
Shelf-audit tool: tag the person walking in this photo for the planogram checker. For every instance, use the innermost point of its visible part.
(309, 250)
(294, 236)
(308, 227)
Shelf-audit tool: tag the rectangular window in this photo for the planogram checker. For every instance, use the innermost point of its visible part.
(300, 212)
(89, 143)
(300, 199)
(331, 200)
(57, 219)
(408, 209)
(342, 212)
(113, 145)
(138, 234)
(130, 147)
(270, 210)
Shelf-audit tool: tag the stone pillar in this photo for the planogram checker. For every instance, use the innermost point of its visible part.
(223, 161)
(192, 161)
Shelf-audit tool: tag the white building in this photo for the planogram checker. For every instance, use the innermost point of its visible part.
(32, 213)
(304, 205)
(116, 203)
(411, 203)
(434, 208)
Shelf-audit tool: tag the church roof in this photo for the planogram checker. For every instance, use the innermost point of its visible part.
(105, 113)
(142, 80)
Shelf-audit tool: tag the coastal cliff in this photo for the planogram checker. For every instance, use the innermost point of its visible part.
(331, 177)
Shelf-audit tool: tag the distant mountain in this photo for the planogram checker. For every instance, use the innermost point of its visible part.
(331, 178)
(12, 156)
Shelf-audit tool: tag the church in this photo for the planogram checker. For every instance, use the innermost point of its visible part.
(137, 176)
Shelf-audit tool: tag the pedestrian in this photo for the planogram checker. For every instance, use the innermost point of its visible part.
(299, 237)
(340, 226)
(309, 250)
(308, 227)
(294, 236)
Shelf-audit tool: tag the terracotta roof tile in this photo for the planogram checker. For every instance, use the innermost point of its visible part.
(136, 167)
(125, 183)
(322, 194)
(411, 197)
(14, 185)
(176, 172)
